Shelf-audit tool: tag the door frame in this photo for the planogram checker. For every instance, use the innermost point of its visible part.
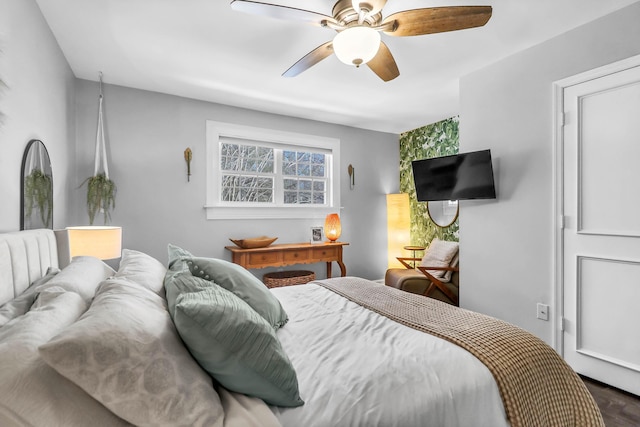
(559, 120)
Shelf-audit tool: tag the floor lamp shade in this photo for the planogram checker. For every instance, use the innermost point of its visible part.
(332, 227)
(398, 224)
(100, 242)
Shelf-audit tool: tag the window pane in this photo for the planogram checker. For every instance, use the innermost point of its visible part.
(304, 169)
(246, 158)
(317, 159)
(290, 184)
(318, 198)
(317, 170)
(290, 197)
(289, 169)
(247, 189)
(305, 184)
(289, 156)
(265, 196)
(318, 186)
(304, 197)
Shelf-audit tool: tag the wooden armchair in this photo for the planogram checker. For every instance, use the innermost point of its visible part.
(421, 279)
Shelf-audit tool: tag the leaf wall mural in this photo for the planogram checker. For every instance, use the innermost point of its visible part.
(434, 140)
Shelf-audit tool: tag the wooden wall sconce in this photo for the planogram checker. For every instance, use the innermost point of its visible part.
(188, 155)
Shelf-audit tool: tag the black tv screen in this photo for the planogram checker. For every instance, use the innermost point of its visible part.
(458, 177)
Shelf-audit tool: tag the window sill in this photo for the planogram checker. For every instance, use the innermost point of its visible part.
(234, 212)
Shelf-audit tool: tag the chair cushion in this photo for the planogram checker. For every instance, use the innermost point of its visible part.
(440, 253)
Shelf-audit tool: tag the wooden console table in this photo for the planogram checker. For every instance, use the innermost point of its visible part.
(290, 254)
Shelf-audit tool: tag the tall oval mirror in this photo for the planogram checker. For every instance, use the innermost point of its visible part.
(36, 207)
(443, 213)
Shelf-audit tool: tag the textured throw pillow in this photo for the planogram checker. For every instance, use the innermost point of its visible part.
(82, 276)
(236, 345)
(180, 283)
(23, 302)
(440, 254)
(243, 284)
(176, 253)
(31, 392)
(142, 269)
(125, 352)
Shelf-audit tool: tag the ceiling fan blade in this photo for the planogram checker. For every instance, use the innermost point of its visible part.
(280, 12)
(437, 20)
(383, 64)
(310, 59)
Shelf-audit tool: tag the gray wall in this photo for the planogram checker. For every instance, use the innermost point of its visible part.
(37, 104)
(147, 134)
(507, 244)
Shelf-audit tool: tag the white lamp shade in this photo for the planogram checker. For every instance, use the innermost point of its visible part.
(100, 242)
(356, 45)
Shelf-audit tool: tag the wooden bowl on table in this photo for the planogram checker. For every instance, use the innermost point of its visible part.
(254, 242)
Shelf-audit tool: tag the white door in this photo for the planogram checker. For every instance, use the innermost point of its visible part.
(601, 204)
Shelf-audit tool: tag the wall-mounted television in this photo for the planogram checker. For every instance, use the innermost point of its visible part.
(459, 177)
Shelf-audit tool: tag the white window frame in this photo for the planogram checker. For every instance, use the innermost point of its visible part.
(215, 209)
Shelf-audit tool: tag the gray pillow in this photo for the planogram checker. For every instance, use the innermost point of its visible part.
(23, 302)
(82, 276)
(142, 269)
(125, 352)
(33, 394)
(236, 345)
(243, 284)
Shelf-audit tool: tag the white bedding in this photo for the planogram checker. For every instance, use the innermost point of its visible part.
(357, 368)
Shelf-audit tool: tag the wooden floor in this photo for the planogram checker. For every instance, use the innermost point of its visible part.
(619, 409)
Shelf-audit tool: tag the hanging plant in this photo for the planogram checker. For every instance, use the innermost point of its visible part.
(101, 196)
(38, 191)
(101, 191)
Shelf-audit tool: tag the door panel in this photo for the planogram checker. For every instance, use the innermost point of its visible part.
(601, 238)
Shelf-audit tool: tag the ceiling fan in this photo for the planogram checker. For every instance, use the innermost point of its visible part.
(359, 23)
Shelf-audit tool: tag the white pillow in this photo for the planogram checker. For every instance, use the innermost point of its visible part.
(23, 302)
(142, 269)
(440, 253)
(31, 393)
(82, 276)
(126, 353)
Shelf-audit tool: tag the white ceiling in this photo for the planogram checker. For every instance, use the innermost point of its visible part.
(204, 50)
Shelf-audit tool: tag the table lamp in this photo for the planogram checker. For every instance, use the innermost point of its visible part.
(332, 227)
(103, 242)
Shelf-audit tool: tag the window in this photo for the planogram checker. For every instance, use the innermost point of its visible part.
(262, 173)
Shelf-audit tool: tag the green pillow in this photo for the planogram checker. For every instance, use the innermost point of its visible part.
(177, 266)
(243, 284)
(176, 283)
(235, 345)
(176, 254)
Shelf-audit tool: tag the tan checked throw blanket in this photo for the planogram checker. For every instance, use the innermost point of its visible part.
(537, 387)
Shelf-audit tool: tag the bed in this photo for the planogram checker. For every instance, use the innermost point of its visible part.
(172, 345)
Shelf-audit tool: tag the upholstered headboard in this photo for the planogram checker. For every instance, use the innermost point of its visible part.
(25, 257)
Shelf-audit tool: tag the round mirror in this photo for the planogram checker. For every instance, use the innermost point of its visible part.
(443, 212)
(36, 209)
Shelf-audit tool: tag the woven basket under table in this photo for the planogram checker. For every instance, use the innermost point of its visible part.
(287, 278)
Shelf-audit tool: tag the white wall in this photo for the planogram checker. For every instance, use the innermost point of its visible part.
(147, 134)
(507, 244)
(37, 104)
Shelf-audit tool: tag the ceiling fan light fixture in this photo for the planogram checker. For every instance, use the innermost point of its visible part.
(356, 45)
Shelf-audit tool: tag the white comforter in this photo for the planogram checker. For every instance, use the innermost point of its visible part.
(357, 368)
